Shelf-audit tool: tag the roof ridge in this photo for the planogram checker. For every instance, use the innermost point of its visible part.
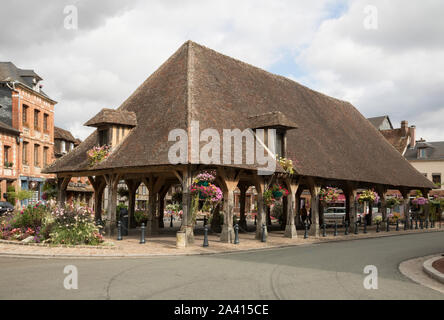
(188, 95)
(273, 75)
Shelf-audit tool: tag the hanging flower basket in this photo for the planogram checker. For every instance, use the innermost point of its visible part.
(274, 194)
(329, 195)
(368, 196)
(393, 202)
(420, 201)
(205, 189)
(98, 154)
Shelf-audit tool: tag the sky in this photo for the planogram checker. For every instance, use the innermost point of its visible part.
(385, 57)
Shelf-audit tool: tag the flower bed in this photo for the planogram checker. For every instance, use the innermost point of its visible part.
(39, 223)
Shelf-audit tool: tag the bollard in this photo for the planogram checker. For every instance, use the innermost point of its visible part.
(264, 237)
(205, 221)
(411, 224)
(346, 228)
(416, 224)
(421, 224)
(119, 231)
(236, 234)
(336, 229)
(432, 223)
(356, 227)
(388, 226)
(427, 223)
(306, 230)
(255, 220)
(142, 234)
(377, 227)
(406, 221)
(205, 243)
(171, 221)
(324, 232)
(365, 225)
(397, 225)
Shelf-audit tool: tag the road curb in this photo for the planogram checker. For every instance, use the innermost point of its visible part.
(318, 241)
(432, 272)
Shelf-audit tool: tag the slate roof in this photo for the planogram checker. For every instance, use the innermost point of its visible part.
(111, 116)
(377, 121)
(7, 128)
(333, 139)
(10, 72)
(434, 151)
(62, 134)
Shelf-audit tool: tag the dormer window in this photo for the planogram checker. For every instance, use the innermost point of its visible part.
(103, 137)
(112, 125)
(277, 121)
(422, 153)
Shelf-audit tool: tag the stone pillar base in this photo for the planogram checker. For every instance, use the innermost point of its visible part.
(110, 228)
(314, 231)
(190, 234)
(181, 239)
(259, 232)
(227, 234)
(290, 231)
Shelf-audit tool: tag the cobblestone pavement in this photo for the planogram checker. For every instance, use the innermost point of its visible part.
(165, 244)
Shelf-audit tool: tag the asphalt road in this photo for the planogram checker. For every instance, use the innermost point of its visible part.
(322, 271)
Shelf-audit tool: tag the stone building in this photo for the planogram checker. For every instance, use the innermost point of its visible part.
(27, 109)
(329, 141)
(428, 158)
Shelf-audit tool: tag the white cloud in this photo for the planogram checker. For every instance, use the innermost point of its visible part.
(396, 70)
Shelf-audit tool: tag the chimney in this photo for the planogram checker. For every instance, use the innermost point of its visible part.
(412, 137)
(405, 128)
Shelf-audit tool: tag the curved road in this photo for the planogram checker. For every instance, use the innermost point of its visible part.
(321, 271)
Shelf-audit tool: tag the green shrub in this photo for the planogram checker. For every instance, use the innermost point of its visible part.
(74, 225)
(32, 216)
(141, 216)
(11, 195)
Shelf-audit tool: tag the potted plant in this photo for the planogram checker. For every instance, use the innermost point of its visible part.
(98, 154)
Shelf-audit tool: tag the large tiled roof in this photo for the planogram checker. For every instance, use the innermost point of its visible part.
(333, 139)
(111, 116)
(62, 134)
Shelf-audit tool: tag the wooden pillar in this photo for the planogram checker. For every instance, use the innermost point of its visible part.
(153, 184)
(298, 219)
(132, 185)
(351, 205)
(112, 180)
(382, 192)
(259, 184)
(62, 184)
(290, 228)
(230, 179)
(406, 203)
(185, 177)
(98, 183)
(315, 189)
(243, 195)
(161, 210)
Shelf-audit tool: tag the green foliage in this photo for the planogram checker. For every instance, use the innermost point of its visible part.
(141, 216)
(120, 206)
(177, 197)
(11, 195)
(50, 191)
(32, 216)
(123, 192)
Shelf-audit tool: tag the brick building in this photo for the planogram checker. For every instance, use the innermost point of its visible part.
(29, 112)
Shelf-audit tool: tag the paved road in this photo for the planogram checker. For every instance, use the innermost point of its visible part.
(323, 271)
